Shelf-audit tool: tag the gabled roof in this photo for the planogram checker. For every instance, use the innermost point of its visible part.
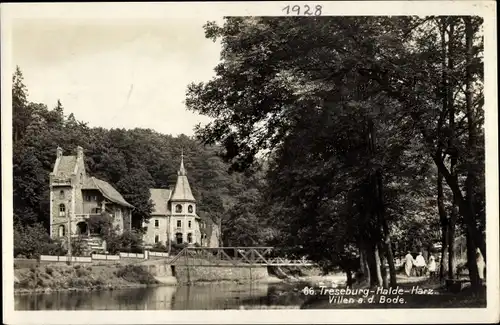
(108, 191)
(66, 166)
(182, 190)
(160, 198)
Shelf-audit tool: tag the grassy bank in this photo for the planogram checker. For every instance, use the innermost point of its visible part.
(50, 278)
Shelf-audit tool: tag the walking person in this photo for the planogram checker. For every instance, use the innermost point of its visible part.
(432, 267)
(408, 264)
(420, 264)
(481, 265)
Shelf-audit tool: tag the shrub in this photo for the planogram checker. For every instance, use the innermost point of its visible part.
(31, 241)
(81, 272)
(78, 246)
(159, 247)
(78, 283)
(49, 270)
(100, 224)
(135, 273)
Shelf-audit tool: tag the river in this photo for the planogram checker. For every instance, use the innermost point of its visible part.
(193, 297)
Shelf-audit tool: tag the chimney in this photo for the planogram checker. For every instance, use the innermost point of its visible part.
(59, 152)
(79, 152)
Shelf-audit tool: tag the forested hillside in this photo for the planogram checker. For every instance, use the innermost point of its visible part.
(133, 161)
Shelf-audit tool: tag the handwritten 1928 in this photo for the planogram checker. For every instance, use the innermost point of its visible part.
(304, 10)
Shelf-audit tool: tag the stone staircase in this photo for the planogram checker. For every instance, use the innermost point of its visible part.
(95, 244)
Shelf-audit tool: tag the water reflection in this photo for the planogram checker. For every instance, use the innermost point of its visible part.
(195, 297)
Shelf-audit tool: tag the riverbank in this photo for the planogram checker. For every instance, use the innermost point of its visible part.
(51, 278)
(60, 277)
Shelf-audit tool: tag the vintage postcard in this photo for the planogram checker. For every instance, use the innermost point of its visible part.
(250, 162)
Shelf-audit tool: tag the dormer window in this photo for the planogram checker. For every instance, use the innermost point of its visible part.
(178, 208)
(190, 209)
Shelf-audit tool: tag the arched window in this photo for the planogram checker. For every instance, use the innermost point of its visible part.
(62, 210)
(178, 208)
(190, 238)
(190, 209)
(61, 231)
(178, 238)
(61, 195)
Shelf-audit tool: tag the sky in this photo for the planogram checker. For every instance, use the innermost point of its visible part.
(117, 73)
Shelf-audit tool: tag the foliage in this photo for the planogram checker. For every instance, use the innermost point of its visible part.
(133, 161)
(100, 224)
(136, 273)
(350, 111)
(31, 241)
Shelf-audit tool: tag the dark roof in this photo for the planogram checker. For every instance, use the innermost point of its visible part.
(160, 198)
(109, 192)
(66, 166)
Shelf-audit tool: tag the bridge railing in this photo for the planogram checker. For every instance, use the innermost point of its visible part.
(238, 256)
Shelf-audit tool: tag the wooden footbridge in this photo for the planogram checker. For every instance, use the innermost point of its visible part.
(232, 256)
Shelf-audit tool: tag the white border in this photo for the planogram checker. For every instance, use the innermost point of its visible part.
(211, 11)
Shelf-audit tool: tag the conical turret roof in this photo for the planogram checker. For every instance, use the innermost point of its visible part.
(182, 190)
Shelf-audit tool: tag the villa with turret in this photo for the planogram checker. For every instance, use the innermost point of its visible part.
(76, 196)
(174, 217)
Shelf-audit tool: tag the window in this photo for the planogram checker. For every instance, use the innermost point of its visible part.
(61, 231)
(157, 239)
(190, 238)
(95, 210)
(178, 238)
(178, 208)
(62, 210)
(179, 223)
(157, 223)
(61, 194)
(189, 224)
(190, 209)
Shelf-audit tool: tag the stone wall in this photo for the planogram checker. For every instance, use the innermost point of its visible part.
(185, 274)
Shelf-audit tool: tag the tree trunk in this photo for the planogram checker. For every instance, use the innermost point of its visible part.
(452, 151)
(364, 265)
(465, 210)
(378, 264)
(451, 247)
(348, 273)
(374, 269)
(443, 218)
(472, 263)
(385, 228)
(383, 269)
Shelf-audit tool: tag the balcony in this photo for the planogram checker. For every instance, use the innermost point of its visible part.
(61, 182)
(86, 215)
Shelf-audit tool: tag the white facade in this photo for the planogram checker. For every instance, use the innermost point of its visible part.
(174, 215)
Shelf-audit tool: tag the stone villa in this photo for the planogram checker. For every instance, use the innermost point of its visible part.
(75, 196)
(174, 217)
